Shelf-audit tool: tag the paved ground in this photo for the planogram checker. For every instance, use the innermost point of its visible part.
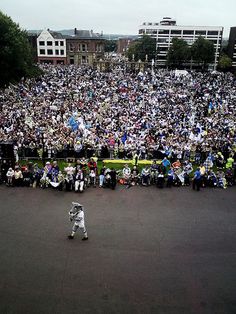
(149, 251)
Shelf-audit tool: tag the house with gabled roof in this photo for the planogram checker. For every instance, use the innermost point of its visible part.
(51, 47)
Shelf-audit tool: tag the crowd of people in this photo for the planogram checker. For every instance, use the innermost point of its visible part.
(81, 112)
(72, 111)
(85, 173)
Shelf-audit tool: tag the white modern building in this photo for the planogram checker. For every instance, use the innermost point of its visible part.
(51, 47)
(232, 45)
(166, 30)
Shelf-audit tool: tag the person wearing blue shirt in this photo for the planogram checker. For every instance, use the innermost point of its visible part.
(197, 179)
(165, 162)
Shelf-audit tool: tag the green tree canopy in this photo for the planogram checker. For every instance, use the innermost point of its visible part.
(178, 53)
(145, 46)
(202, 51)
(16, 59)
(224, 63)
(110, 45)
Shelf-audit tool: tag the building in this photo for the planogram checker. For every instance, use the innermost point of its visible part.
(51, 48)
(232, 46)
(85, 47)
(167, 29)
(123, 45)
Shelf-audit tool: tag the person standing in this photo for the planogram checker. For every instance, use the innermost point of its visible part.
(76, 214)
(197, 179)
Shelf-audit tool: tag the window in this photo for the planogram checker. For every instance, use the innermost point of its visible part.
(175, 32)
(141, 31)
(49, 52)
(200, 33)
(83, 47)
(213, 33)
(162, 40)
(41, 43)
(163, 31)
(188, 32)
(61, 43)
(98, 48)
(71, 47)
(84, 59)
(163, 49)
(151, 31)
(49, 43)
(161, 57)
(62, 52)
(56, 43)
(57, 52)
(42, 51)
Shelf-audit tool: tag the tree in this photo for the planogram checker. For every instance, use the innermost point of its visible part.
(178, 54)
(16, 59)
(110, 46)
(143, 48)
(202, 51)
(224, 63)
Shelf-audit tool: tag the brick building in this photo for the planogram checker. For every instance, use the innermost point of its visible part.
(84, 47)
(123, 45)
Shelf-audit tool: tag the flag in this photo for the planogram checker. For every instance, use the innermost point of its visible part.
(124, 138)
(73, 124)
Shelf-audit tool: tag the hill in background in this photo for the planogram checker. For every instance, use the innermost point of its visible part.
(70, 32)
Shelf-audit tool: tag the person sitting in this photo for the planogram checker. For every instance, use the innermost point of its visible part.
(211, 179)
(176, 164)
(126, 174)
(79, 181)
(107, 178)
(160, 180)
(134, 176)
(92, 178)
(18, 176)
(222, 183)
(145, 176)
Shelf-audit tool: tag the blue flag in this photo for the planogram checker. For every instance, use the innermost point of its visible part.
(124, 138)
(73, 124)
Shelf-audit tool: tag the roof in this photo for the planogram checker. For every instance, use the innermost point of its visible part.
(86, 34)
(56, 35)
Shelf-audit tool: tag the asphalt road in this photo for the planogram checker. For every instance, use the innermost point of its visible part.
(149, 251)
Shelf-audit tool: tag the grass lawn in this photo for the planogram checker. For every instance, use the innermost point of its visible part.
(117, 164)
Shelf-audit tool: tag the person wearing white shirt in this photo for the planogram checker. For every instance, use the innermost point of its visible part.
(10, 175)
(76, 214)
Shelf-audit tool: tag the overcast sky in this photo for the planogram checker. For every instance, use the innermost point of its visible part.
(118, 16)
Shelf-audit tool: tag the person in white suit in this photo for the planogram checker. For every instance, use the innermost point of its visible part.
(76, 214)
